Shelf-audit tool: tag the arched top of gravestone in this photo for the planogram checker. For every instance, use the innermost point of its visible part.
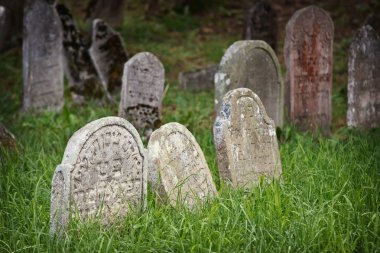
(366, 34)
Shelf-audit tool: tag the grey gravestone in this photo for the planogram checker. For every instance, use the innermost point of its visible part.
(252, 64)
(142, 90)
(5, 27)
(199, 79)
(261, 24)
(364, 80)
(108, 54)
(177, 166)
(245, 140)
(308, 58)
(42, 58)
(103, 172)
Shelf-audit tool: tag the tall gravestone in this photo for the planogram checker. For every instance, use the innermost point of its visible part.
(308, 59)
(42, 58)
(261, 24)
(103, 173)
(142, 90)
(177, 166)
(364, 80)
(252, 64)
(245, 140)
(108, 54)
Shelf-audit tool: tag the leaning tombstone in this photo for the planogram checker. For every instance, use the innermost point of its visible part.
(177, 167)
(103, 174)
(245, 140)
(261, 24)
(108, 54)
(142, 91)
(308, 59)
(364, 80)
(42, 58)
(199, 79)
(252, 64)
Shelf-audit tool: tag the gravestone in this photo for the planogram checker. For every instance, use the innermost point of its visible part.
(142, 90)
(364, 80)
(103, 174)
(108, 54)
(42, 58)
(252, 64)
(245, 140)
(261, 24)
(308, 59)
(199, 79)
(177, 167)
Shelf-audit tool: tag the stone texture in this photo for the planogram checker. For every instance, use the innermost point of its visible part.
(245, 140)
(142, 90)
(253, 65)
(177, 167)
(199, 79)
(108, 54)
(42, 58)
(103, 172)
(261, 24)
(308, 59)
(364, 80)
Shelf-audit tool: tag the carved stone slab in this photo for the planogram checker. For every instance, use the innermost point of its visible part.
(42, 58)
(308, 58)
(142, 90)
(103, 173)
(245, 140)
(199, 79)
(177, 166)
(252, 64)
(108, 54)
(364, 80)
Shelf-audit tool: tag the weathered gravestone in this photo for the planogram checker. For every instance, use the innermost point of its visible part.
(364, 80)
(103, 173)
(108, 54)
(199, 79)
(252, 64)
(245, 140)
(261, 24)
(308, 58)
(42, 58)
(177, 166)
(142, 90)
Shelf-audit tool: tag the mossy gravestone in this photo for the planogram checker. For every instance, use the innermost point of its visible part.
(245, 140)
(103, 173)
(252, 64)
(308, 58)
(364, 80)
(177, 167)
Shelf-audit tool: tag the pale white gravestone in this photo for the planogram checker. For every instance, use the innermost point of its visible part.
(364, 80)
(252, 64)
(42, 58)
(108, 54)
(142, 91)
(245, 140)
(177, 167)
(103, 174)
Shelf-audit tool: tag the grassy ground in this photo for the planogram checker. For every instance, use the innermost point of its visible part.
(328, 200)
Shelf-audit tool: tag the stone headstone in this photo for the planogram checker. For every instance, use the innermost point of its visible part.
(199, 79)
(108, 54)
(42, 58)
(5, 27)
(142, 90)
(103, 174)
(261, 24)
(245, 140)
(177, 167)
(308, 59)
(364, 80)
(252, 64)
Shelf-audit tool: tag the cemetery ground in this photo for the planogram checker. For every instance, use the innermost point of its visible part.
(328, 198)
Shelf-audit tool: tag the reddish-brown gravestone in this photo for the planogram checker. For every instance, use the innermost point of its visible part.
(308, 59)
